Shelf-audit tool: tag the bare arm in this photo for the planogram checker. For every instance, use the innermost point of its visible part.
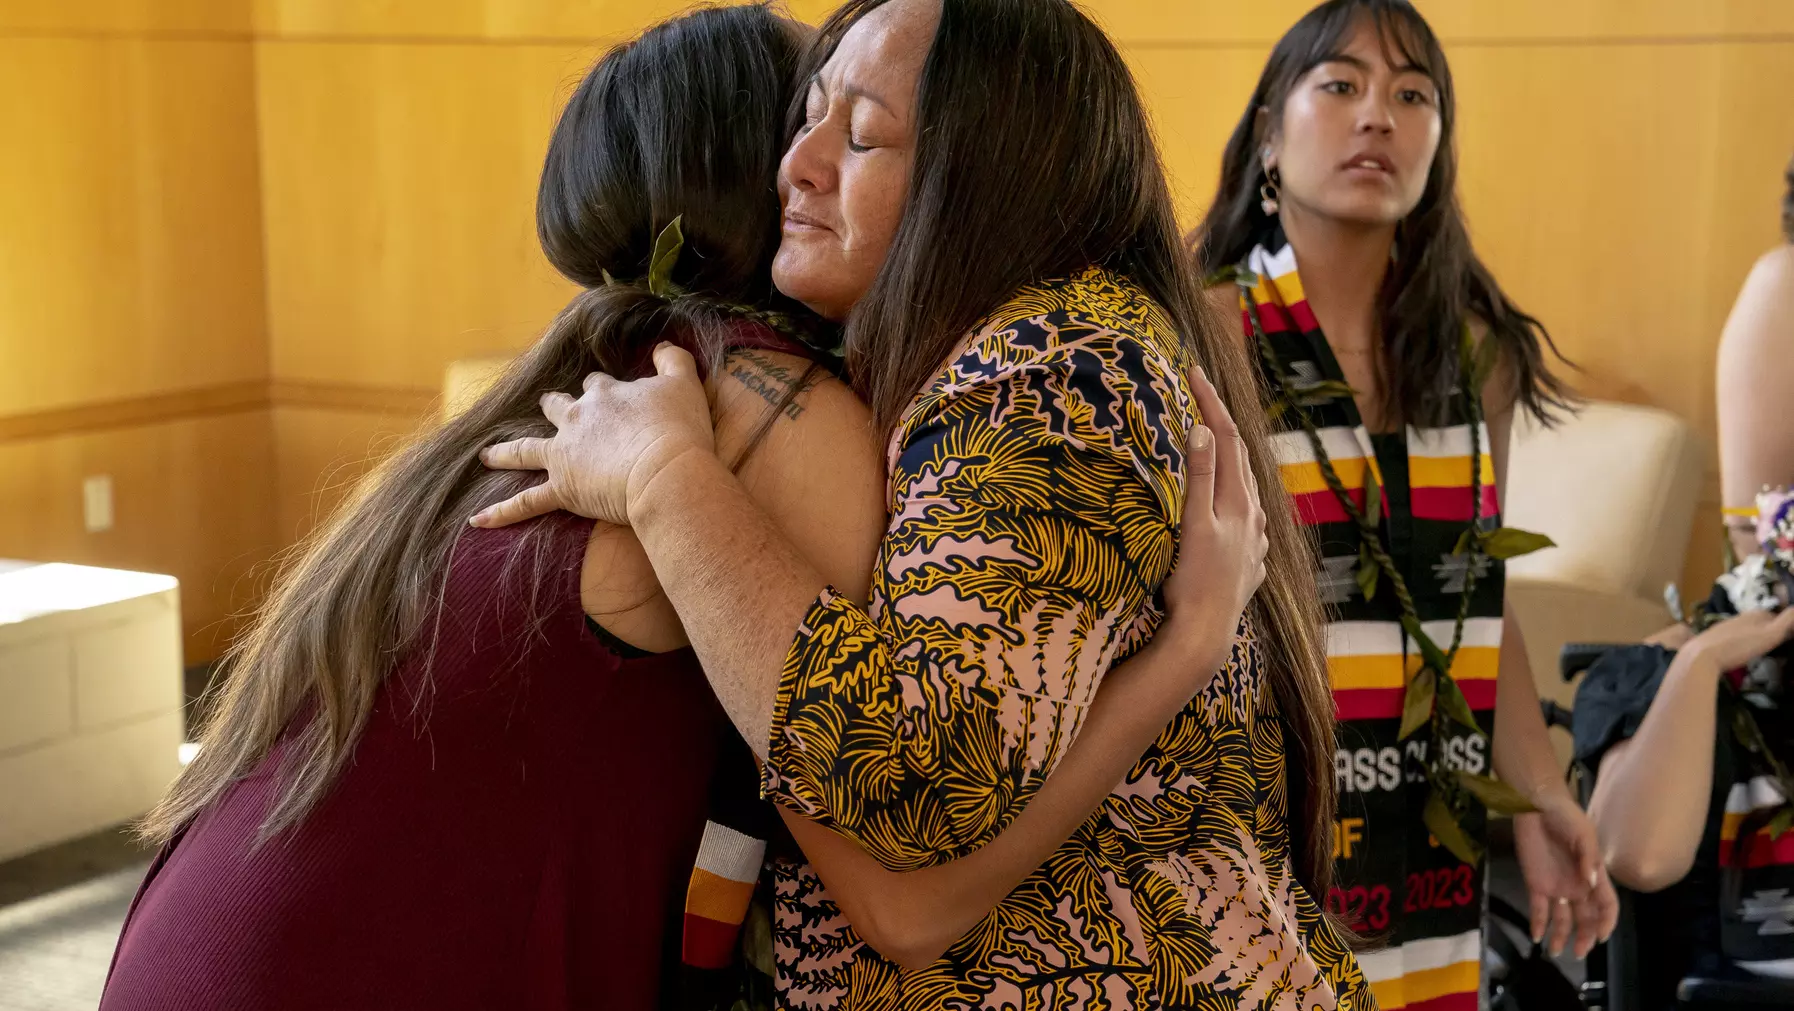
(819, 477)
(1001, 610)
(1522, 749)
(1560, 854)
(815, 470)
(913, 917)
(1650, 786)
(1755, 372)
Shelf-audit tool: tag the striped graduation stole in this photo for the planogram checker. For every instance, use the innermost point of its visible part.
(1369, 657)
(1756, 893)
(716, 900)
(716, 971)
(1761, 848)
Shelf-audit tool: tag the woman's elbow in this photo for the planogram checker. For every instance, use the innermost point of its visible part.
(911, 942)
(1648, 868)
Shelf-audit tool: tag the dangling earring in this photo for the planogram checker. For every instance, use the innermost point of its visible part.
(1268, 192)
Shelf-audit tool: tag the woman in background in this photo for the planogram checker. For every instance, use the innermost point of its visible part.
(459, 768)
(1755, 375)
(1395, 365)
(1661, 721)
(1684, 803)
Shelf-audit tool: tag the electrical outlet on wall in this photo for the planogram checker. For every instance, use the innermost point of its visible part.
(96, 499)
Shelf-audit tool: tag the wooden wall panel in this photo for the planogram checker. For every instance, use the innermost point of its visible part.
(1632, 228)
(128, 184)
(191, 498)
(1222, 23)
(124, 17)
(322, 453)
(503, 20)
(132, 317)
(399, 187)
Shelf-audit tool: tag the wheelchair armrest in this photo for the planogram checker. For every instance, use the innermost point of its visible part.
(1576, 657)
(1700, 992)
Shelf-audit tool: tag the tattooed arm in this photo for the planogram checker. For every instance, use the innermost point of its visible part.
(808, 460)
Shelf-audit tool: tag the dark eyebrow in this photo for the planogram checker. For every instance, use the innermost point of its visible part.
(852, 92)
(1346, 58)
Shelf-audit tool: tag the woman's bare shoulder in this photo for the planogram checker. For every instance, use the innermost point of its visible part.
(1776, 267)
(817, 467)
(1758, 331)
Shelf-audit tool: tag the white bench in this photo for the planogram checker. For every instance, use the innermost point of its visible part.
(90, 699)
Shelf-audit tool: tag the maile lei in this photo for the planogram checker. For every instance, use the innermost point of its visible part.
(1432, 700)
(667, 247)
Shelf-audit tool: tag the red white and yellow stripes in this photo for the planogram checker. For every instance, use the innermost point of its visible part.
(716, 901)
(1352, 457)
(1435, 974)
(1370, 668)
(1439, 473)
(1761, 849)
(1282, 305)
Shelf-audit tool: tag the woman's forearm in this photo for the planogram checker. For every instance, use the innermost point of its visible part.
(1521, 750)
(699, 527)
(1652, 794)
(912, 917)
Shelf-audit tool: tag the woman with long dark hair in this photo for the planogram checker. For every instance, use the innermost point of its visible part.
(459, 768)
(1393, 364)
(973, 190)
(408, 793)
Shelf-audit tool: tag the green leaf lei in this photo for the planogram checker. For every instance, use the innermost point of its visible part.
(670, 243)
(1432, 699)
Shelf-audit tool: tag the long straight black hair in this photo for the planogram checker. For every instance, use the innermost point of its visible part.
(1035, 159)
(685, 121)
(1436, 284)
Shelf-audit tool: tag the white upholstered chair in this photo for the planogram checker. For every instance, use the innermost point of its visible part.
(1615, 486)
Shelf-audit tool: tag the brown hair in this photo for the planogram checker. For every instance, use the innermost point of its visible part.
(1788, 203)
(1438, 283)
(1007, 179)
(625, 158)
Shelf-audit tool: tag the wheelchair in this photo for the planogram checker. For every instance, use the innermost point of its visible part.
(1613, 967)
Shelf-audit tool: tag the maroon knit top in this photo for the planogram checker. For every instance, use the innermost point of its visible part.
(515, 830)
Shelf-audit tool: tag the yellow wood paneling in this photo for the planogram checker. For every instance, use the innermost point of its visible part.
(191, 498)
(1622, 208)
(130, 260)
(1472, 22)
(1195, 98)
(487, 19)
(125, 16)
(399, 188)
(322, 453)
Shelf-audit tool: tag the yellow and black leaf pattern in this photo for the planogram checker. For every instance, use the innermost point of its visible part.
(1035, 489)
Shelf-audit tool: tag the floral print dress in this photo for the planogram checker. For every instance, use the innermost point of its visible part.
(1035, 490)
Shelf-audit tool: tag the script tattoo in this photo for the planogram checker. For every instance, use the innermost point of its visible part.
(769, 380)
